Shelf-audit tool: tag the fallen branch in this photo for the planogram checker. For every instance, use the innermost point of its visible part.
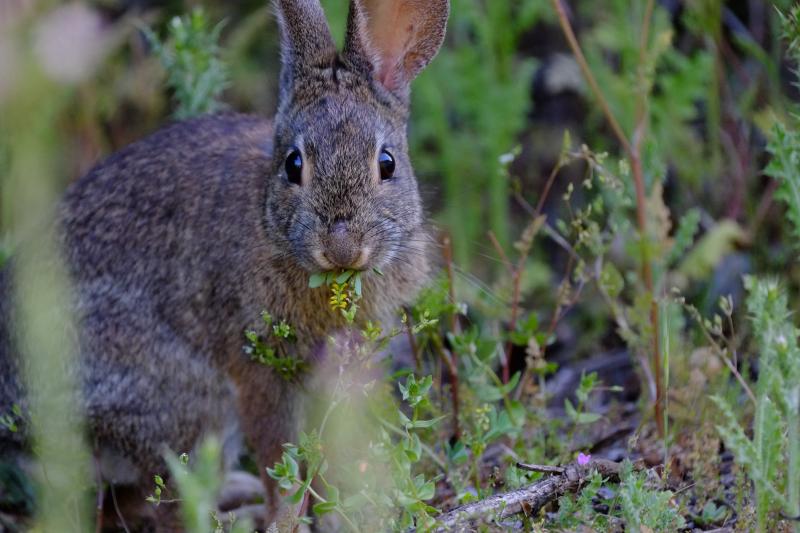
(530, 499)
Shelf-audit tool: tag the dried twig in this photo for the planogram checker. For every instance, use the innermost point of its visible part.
(528, 500)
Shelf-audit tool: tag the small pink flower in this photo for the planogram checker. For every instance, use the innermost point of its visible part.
(584, 459)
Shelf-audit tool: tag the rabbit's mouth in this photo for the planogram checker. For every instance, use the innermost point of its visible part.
(340, 248)
(328, 260)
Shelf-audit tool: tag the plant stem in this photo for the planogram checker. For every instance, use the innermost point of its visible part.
(450, 363)
(633, 151)
(425, 448)
(412, 340)
(566, 27)
(452, 360)
(338, 509)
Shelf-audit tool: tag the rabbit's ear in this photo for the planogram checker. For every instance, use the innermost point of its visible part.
(396, 38)
(306, 41)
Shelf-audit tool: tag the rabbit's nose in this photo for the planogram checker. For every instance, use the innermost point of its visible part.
(343, 249)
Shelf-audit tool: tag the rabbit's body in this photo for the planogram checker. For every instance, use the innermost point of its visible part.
(177, 244)
(161, 305)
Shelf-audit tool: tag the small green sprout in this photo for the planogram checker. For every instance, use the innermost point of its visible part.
(346, 288)
(10, 420)
(160, 487)
(287, 366)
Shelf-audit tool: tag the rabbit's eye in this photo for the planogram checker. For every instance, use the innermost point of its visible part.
(386, 164)
(294, 167)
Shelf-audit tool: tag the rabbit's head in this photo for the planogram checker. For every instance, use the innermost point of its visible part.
(343, 194)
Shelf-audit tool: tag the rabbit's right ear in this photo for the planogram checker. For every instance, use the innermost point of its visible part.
(306, 41)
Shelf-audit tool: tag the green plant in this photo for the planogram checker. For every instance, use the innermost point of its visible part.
(636, 503)
(784, 143)
(289, 367)
(12, 419)
(197, 485)
(346, 290)
(784, 146)
(629, 254)
(195, 73)
(642, 506)
(574, 512)
(373, 500)
(775, 441)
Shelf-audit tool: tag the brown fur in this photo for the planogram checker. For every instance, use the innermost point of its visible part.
(177, 243)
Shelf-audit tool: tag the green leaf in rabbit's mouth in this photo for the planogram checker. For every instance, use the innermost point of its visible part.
(318, 279)
(346, 289)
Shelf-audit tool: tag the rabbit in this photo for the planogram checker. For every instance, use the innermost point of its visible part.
(176, 244)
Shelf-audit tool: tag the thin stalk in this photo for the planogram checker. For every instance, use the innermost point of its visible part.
(98, 527)
(566, 27)
(452, 360)
(447, 251)
(516, 270)
(633, 151)
(450, 363)
(412, 340)
(665, 332)
(557, 314)
(717, 349)
(338, 509)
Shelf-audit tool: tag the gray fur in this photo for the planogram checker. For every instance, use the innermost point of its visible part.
(177, 243)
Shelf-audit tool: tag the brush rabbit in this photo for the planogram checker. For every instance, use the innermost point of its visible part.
(177, 243)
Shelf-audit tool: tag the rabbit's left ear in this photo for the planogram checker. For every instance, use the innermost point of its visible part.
(395, 39)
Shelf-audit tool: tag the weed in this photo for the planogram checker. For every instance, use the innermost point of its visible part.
(775, 442)
(190, 55)
(287, 366)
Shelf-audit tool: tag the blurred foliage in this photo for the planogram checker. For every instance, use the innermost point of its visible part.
(775, 441)
(455, 137)
(196, 75)
(559, 280)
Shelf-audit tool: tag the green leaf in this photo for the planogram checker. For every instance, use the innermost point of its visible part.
(344, 276)
(317, 280)
(580, 417)
(422, 424)
(457, 454)
(587, 418)
(684, 235)
(427, 491)
(322, 508)
(611, 281)
(516, 411)
(297, 497)
(712, 247)
(785, 168)
(511, 385)
(413, 448)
